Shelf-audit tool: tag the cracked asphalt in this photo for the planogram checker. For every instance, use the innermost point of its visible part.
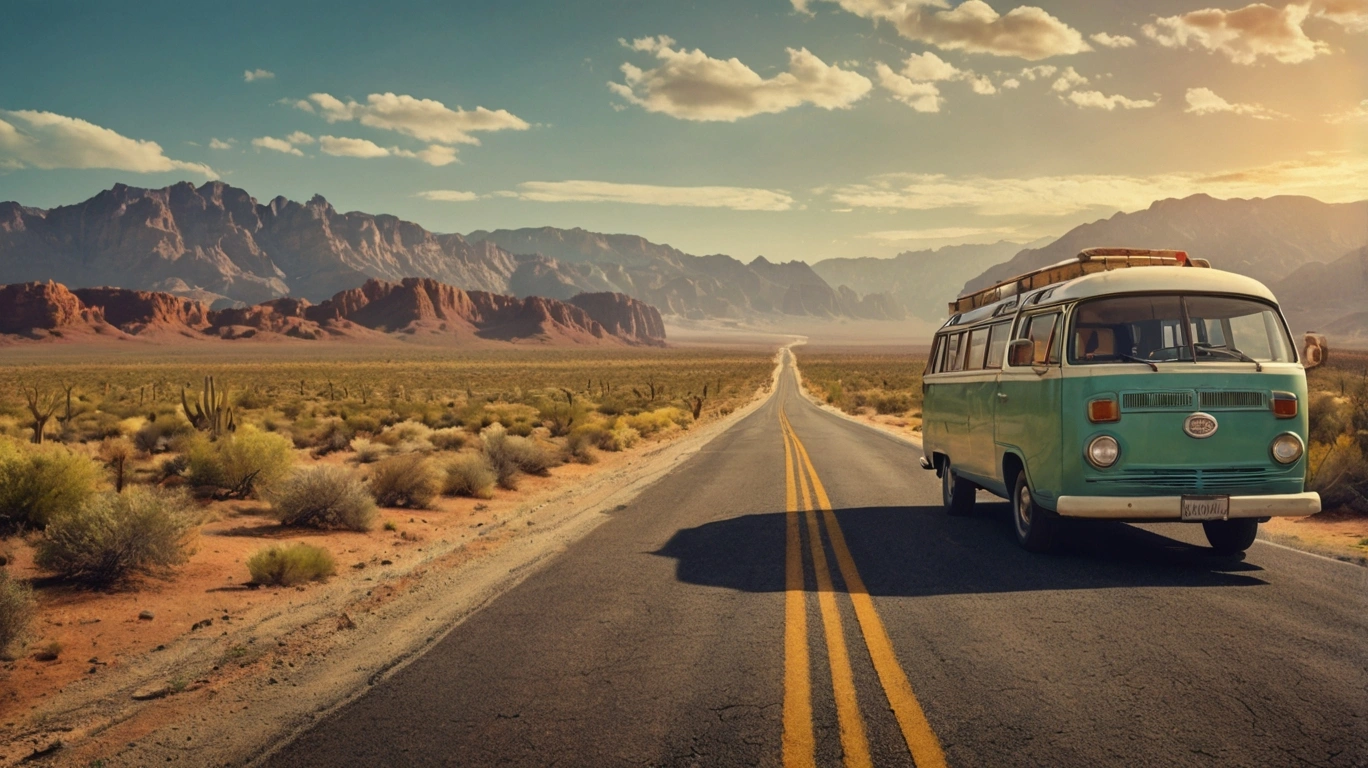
(658, 639)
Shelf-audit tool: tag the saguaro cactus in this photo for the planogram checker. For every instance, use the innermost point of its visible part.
(211, 413)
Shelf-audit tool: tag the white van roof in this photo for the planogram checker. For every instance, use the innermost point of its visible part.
(1160, 280)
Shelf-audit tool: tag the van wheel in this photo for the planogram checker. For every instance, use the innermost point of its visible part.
(956, 493)
(1036, 527)
(1229, 537)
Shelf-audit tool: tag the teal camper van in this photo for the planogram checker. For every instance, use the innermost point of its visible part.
(1126, 384)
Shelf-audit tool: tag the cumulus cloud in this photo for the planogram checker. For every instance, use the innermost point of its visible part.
(923, 97)
(1350, 14)
(690, 85)
(1330, 177)
(1099, 100)
(299, 137)
(342, 146)
(30, 139)
(735, 198)
(448, 195)
(252, 75)
(924, 67)
(276, 145)
(1042, 72)
(217, 144)
(1204, 101)
(972, 26)
(423, 119)
(1112, 41)
(1068, 80)
(1244, 34)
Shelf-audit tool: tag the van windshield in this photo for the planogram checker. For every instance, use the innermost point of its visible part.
(1122, 329)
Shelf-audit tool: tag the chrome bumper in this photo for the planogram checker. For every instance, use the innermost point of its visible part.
(1167, 507)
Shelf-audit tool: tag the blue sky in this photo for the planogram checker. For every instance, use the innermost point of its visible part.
(843, 127)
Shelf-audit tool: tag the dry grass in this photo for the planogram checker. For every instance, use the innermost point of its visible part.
(885, 383)
(285, 566)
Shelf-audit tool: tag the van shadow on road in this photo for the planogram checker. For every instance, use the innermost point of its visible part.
(919, 551)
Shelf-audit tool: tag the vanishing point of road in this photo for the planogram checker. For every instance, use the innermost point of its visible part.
(794, 595)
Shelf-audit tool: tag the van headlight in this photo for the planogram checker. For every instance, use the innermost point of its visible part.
(1103, 451)
(1286, 448)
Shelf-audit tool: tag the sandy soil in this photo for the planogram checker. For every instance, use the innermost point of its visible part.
(222, 671)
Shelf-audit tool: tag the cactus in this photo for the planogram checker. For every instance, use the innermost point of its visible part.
(211, 413)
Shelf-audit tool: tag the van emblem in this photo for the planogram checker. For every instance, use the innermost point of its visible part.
(1200, 425)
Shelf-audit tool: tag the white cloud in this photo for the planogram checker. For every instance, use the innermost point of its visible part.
(1350, 14)
(1068, 80)
(217, 144)
(982, 85)
(1329, 177)
(942, 233)
(300, 137)
(341, 146)
(1011, 83)
(1358, 114)
(423, 119)
(47, 140)
(924, 67)
(448, 195)
(923, 97)
(1112, 41)
(972, 26)
(252, 75)
(735, 198)
(1242, 35)
(437, 155)
(1043, 72)
(690, 85)
(276, 145)
(1099, 100)
(1204, 101)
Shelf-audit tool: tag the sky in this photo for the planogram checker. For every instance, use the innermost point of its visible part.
(793, 129)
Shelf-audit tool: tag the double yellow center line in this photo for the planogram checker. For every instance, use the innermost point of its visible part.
(799, 744)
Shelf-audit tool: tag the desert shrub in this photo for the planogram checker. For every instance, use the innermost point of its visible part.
(892, 403)
(512, 454)
(156, 436)
(286, 566)
(117, 452)
(1341, 476)
(324, 497)
(470, 474)
(114, 535)
(16, 611)
(38, 482)
(334, 435)
(660, 420)
(404, 432)
(580, 444)
(1326, 418)
(448, 439)
(406, 480)
(368, 451)
(246, 460)
(619, 438)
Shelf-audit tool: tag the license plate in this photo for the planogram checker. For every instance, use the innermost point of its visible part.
(1205, 507)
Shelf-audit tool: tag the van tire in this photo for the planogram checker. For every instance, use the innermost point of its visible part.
(956, 493)
(1231, 537)
(1036, 528)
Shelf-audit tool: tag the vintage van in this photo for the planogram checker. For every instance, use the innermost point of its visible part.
(1128, 384)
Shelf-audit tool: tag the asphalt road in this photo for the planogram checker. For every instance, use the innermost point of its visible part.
(700, 626)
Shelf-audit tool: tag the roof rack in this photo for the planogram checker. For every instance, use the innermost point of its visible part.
(1088, 261)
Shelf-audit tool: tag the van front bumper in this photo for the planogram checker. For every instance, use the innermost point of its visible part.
(1168, 507)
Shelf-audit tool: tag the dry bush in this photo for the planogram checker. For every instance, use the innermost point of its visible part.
(334, 435)
(324, 497)
(660, 420)
(448, 439)
(1341, 476)
(470, 474)
(512, 454)
(16, 611)
(245, 461)
(114, 535)
(286, 566)
(368, 451)
(579, 446)
(156, 436)
(406, 480)
(117, 452)
(405, 431)
(38, 482)
(619, 438)
(1327, 418)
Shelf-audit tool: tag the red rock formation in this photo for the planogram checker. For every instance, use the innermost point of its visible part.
(140, 311)
(622, 315)
(25, 306)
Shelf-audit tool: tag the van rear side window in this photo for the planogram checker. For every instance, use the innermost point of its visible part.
(997, 343)
(1040, 329)
(954, 355)
(978, 344)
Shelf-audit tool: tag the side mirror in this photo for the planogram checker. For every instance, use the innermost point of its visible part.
(1315, 350)
(1020, 353)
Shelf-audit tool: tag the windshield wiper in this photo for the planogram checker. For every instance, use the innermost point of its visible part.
(1233, 352)
(1134, 359)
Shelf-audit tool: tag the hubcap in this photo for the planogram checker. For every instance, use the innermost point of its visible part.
(1024, 507)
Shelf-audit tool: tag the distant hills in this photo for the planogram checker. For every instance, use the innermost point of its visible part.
(421, 309)
(215, 243)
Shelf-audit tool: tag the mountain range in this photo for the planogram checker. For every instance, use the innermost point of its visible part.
(217, 244)
(414, 308)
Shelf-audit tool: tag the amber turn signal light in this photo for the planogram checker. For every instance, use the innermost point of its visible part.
(1104, 411)
(1284, 405)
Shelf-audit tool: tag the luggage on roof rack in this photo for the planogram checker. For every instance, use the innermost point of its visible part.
(1088, 261)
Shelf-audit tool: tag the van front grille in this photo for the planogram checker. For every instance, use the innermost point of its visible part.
(1142, 401)
(1226, 399)
(1215, 479)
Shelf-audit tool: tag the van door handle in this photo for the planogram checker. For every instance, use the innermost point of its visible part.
(1002, 396)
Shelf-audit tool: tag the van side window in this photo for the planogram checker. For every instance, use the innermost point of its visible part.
(954, 357)
(933, 359)
(1040, 329)
(997, 343)
(978, 344)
